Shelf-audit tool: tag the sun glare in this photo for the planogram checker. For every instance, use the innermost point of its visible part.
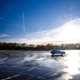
(72, 62)
(69, 32)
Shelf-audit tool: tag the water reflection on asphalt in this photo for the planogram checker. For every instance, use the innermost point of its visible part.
(71, 62)
(39, 65)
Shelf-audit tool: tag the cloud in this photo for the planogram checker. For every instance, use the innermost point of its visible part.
(4, 35)
(67, 33)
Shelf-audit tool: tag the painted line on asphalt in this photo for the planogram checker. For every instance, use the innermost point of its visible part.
(10, 77)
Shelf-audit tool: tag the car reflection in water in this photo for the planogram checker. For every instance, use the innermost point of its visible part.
(39, 65)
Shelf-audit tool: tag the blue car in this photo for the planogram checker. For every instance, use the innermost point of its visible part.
(57, 53)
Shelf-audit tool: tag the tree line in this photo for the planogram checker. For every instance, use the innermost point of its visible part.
(23, 46)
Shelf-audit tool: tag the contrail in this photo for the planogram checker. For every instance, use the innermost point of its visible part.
(23, 24)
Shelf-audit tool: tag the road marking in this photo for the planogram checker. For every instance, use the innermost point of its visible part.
(10, 77)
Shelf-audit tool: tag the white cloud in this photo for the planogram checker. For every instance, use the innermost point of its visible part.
(4, 35)
(67, 33)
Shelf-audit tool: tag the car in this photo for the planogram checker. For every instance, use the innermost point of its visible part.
(55, 52)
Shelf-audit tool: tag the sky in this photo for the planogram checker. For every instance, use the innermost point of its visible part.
(39, 21)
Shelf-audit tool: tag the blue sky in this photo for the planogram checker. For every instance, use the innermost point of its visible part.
(39, 16)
